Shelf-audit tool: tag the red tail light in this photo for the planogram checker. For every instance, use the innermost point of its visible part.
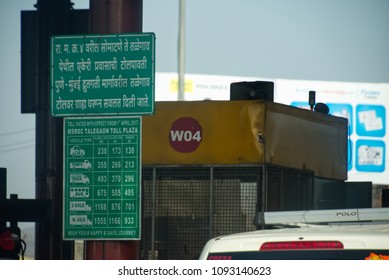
(7, 242)
(301, 245)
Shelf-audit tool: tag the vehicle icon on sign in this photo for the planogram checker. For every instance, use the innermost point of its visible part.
(79, 220)
(79, 192)
(79, 178)
(81, 165)
(77, 151)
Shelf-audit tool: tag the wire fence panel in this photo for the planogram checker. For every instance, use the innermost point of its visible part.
(183, 207)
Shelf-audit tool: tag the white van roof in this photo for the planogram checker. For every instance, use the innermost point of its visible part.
(354, 236)
(327, 216)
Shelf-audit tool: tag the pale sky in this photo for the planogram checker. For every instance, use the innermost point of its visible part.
(331, 40)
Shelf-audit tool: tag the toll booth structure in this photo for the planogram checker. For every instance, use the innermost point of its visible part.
(209, 166)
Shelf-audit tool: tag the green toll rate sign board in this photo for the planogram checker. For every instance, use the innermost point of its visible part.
(102, 177)
(102, 74)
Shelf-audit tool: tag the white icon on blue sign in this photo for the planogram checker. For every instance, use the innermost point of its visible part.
(370, 156)
(371, 120)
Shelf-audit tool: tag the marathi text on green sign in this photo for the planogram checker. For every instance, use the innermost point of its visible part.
(103, 74)
(102, 169)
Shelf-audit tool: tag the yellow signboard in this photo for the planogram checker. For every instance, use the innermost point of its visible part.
(245, 132)
(200, 132)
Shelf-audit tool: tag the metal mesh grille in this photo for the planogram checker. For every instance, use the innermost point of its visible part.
(289, 189)
(234, 199)
(183, 207)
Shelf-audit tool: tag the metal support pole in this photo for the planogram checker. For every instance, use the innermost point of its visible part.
(181, 53)
(211, 203)
(3, 192)
(110, 17)
(153, 212)
(115, 16)
(53, 18)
